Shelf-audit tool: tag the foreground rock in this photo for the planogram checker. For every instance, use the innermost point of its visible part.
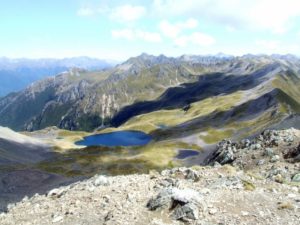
(183, 202)
(245, 192)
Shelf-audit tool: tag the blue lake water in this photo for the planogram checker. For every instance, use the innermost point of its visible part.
(118, 138)
(186, 153)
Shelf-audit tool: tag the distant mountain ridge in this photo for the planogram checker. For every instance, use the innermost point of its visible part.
(82, 100)
(16, 74)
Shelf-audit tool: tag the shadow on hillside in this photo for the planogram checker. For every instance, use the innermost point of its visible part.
(219, 119)
(59, 169)
(207, 86)
(18, 174)
(17, 184)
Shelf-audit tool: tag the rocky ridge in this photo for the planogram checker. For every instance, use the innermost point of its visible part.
(258, 183)
(81, 100)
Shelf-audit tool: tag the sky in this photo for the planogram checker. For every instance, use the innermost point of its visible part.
(117, 30)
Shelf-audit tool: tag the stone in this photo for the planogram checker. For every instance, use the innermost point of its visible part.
(57, 219)
(245, 143)
(56, 193)
(289, 139)
(212, 211)
(296, 178)
(244, 213)
(188, 211)
(275, 158)
(278, 178)
(224, 153)
(256, 146)
(261, 162)
(101, 181)
(192, 175)
(269, 152)
(260, 138)
(183, 202)
(163, 200)
(216, 165)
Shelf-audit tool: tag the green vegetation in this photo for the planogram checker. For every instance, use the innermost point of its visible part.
(248, 186)
(215, 135)
(115, 160)
(288, 83)
(151, 121)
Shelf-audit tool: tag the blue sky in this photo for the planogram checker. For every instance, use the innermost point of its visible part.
(121, 29)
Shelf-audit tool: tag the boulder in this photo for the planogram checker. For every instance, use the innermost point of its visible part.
(296, 178)
(224, 153)
(184, 203)
(184, 173)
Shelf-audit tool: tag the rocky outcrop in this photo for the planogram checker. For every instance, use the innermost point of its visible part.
(228, 151)
(184, 203)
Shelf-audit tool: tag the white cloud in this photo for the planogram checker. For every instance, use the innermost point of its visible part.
(130, 34)
(269, 45)
(272, 15)
(274, 47)
(195, 38)
(123, 34)
(85, 12)
(127, 13)
(173, 30)
(122, 13)
(230, 28)
(168, 29)
(149, 36)
(189, 24)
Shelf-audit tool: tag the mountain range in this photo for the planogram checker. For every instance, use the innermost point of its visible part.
(168, 97)
(16, 74)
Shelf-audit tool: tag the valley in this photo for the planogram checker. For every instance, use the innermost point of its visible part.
(184, 103)
(77, 124)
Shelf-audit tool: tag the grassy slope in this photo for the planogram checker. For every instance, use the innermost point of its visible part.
(151, 121)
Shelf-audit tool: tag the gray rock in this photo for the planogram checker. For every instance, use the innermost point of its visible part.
(186, 173)
(192, 175)
(216, 165)
(56, 193)
(57, 219)
(260, 137)
(101, 181)
(289, 139)
(189, 211)
(275, 158)
(162, 200)
(269, 152)
(245, 143)
(296, 178)
(224, 153)
(256, 146)
(261, 162)
(184, 203)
